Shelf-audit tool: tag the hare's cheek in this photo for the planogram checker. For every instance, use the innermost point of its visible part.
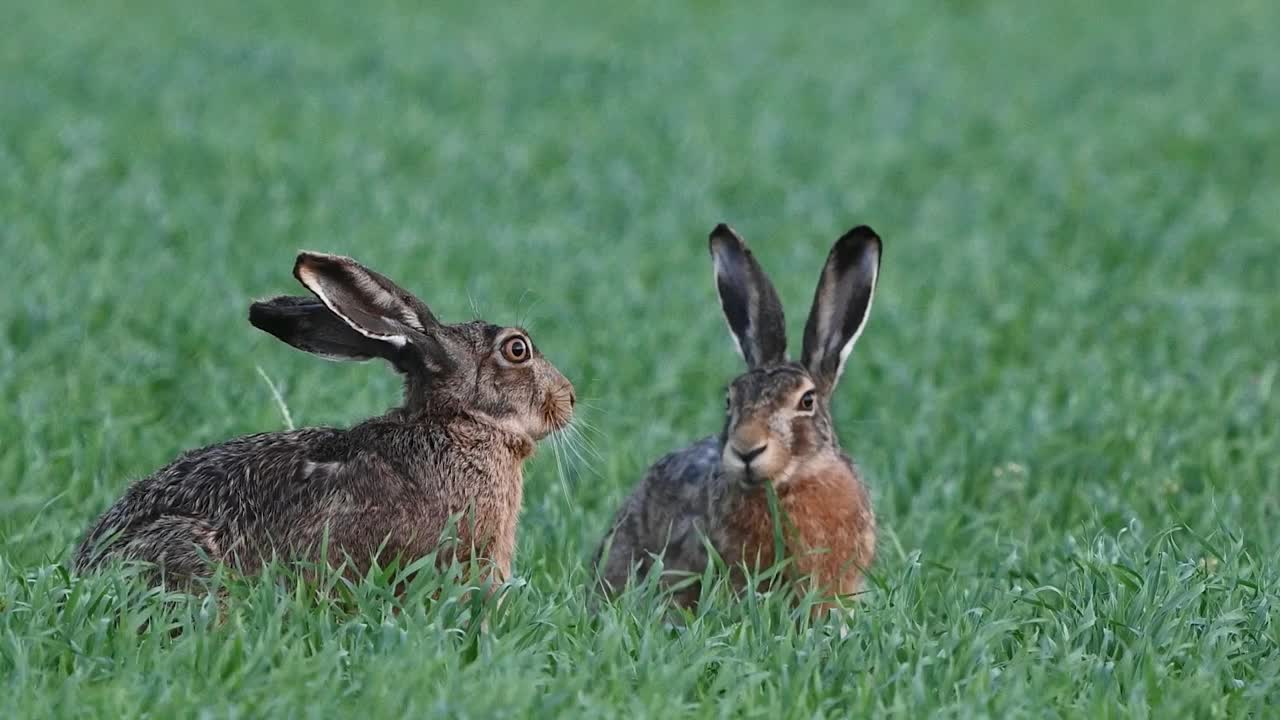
(804, 436)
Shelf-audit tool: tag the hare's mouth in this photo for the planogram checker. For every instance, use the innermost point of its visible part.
(770, 463)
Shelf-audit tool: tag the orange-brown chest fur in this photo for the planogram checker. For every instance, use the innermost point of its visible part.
(828, 529)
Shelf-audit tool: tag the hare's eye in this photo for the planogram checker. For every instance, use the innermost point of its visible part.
(806, 401)
(516, 349)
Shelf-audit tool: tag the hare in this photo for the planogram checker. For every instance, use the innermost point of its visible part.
(477, 397)
(778, 430)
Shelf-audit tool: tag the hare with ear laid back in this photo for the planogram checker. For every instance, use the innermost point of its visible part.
(476, 398)
(778, 430)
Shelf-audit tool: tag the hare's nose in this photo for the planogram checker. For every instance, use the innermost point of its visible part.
(748, 455)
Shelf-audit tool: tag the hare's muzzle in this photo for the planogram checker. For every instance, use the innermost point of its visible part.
(557, 406)
(753, 454)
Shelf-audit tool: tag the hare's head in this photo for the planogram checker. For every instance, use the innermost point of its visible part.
(487, 371)
(778, 412)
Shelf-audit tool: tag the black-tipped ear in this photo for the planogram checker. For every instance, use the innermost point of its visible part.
(841, 304)
(749, 302)
(305, 323)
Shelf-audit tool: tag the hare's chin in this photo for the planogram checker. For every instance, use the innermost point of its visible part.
(556, 415)
(743, 479)
(774, 473)
(550, 424)
(739, 474)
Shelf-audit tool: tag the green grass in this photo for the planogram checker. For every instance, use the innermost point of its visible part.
(1066, 401)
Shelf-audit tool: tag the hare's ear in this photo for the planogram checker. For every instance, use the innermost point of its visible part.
(841, 305)
(307, 324)
(748, 299)
(374, 307)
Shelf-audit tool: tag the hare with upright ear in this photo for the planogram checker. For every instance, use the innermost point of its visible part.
(477, 396)
(778, 430)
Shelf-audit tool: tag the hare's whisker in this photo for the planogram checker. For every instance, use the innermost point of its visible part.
(581, 443)
(572, 444)
(564, 484)
(525, 312)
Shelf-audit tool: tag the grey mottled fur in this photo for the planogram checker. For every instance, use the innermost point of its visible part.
(714, 490)
(386, 487)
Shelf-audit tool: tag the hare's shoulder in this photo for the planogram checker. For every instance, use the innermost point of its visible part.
(674, 485)
(672, 499)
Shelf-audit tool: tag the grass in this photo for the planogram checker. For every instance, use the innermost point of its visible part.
(1066, 401)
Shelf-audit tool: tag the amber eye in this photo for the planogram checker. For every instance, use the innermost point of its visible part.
(516, 350)
(806, 401)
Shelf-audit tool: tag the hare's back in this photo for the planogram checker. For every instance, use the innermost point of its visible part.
(682, 475)
(237, 481)
(671, 501)
(660, 516)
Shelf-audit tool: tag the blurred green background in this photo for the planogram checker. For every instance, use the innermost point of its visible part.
(1068, 381)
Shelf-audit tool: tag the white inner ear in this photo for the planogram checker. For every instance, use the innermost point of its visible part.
(715, 276)
(334, 358)
(866, 315)
(388, 302)
(309, 280)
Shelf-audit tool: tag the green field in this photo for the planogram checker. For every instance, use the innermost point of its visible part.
(1067, 401)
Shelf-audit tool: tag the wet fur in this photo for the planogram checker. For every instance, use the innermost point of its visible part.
(386, 488)
(689, 497)
(829, 528)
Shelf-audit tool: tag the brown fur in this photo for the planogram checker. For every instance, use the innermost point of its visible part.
(828, 526)
(778, 430)
(386, 488)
